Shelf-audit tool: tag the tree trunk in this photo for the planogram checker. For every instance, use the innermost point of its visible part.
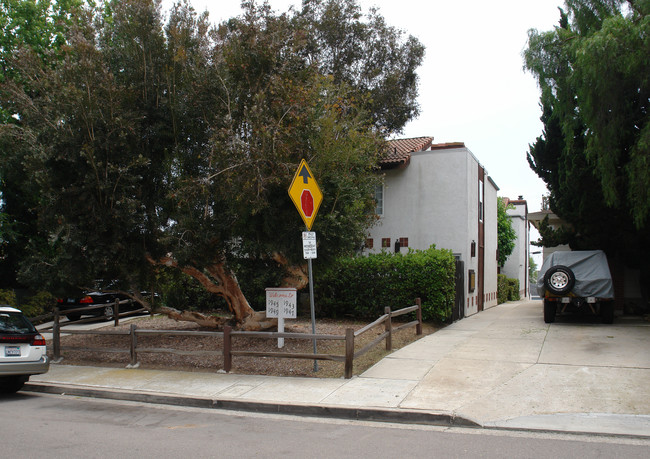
(220, 281)
(297, 278)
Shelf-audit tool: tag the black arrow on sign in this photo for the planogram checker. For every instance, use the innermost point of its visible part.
(304, 173)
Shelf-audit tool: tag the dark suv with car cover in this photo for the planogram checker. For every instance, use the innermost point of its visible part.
(580, 280)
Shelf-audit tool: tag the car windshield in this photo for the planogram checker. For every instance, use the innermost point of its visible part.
(11, 322)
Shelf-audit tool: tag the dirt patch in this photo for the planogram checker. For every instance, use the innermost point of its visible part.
(210, 357)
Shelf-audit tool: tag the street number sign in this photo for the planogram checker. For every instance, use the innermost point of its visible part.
(305, 194)
(281, 302)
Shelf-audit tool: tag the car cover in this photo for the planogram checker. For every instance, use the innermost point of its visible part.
(590, 269)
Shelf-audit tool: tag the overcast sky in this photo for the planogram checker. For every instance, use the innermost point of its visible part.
(472, 85)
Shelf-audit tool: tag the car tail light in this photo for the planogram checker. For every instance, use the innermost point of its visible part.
(59, 300)
(86, 300)
(38, 340)
(19, 339)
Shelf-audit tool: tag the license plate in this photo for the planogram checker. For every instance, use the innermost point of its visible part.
(566, 299)
(12, 351)
(591, 299)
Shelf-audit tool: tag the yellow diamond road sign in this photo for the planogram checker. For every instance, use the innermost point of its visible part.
(305, 194)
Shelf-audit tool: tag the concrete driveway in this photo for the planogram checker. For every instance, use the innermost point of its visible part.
(506, 367)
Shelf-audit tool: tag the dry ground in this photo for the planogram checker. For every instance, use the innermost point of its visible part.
(241, 365)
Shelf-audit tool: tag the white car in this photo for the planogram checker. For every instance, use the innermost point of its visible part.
(22, 350)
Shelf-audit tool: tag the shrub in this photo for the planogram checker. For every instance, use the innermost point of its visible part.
(502, 288)
(361, 287)
(35, 305)
(513, 289)
(39, 304)
(8, 297)
(507, 289)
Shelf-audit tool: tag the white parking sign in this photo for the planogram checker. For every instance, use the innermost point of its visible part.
(309, 245)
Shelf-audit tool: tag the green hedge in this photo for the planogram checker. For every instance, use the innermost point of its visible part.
(513, 289)
(507, 289)
(35, 305)
(361, 287)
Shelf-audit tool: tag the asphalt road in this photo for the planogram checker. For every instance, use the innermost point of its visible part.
(36, 426)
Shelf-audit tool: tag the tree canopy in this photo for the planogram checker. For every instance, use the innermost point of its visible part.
(594, 74)
(154, 142)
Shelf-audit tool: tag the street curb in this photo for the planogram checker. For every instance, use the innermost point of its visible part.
(336, 412)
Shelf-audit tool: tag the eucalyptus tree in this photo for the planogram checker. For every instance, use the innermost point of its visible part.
(171, 143)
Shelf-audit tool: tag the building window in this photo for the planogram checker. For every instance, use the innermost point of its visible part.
(471, 283)
(370, 242)
(480, 200)
(385, 243)
(403, 242)
(379, 200)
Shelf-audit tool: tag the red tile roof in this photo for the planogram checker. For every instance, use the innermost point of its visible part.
(399, 150)
(446, 146)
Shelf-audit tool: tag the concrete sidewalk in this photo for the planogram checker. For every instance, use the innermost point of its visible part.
(501, 368)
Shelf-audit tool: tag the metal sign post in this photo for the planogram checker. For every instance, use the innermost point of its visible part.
(309, 252)
(307, 197)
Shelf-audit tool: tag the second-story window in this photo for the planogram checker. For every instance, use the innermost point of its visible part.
(480, 200)
(379, 200)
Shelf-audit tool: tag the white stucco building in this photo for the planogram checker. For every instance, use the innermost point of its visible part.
(440, 194)
(516, 266)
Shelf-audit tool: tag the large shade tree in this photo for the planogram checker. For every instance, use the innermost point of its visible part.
(172, 143)
(594, 74)
(38, 25)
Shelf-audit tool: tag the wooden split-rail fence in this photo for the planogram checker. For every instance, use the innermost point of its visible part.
(229, 337)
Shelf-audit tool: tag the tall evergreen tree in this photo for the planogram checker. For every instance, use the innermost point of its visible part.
(594, 74)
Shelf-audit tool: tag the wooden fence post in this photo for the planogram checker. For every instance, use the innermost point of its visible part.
(388, 326)
(227, 346)
(418, 327)
(116, 312)
(349, 352)
(56, 335)
(134, 345)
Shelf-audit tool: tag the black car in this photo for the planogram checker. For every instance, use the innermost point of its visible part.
(105, 303)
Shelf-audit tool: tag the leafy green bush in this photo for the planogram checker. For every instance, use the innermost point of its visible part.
(507, 289)
(35, 305)
(39, 304)
(502, 288)
(361, 287)
(513, 289)
(8, 297)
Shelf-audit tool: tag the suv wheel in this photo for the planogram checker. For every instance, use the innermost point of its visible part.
(559, 280)
(607, 312)
(549, 311)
